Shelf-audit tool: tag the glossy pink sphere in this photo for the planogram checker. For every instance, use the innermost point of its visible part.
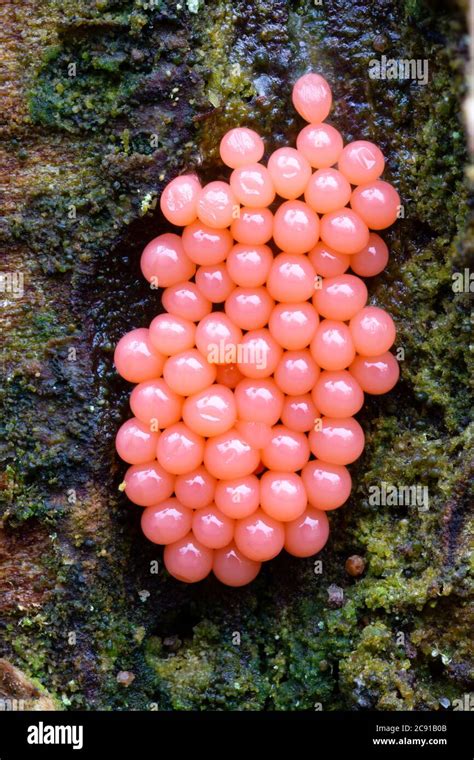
(376, 374)
(249, 265)
(295, 227)
(135, 357)
(229, 456)
(217, 337)
(178, 200)
(189, 372)
(259, 354)
(217, 205)
(228, 375)
(257, 434)
(254, 226)
(253, 186)
(377, 203)
(337, 394)
(332, 347)
(327, 262)
(214, 282)
(154, 403)
(249, 308)
(344, 231)
(148, 484)
(287, 450)
(328, 485)
(206, 245)
(307, 535)
(327, 190)
(291, 278)
(164, 262)
(170, 334)
(320, 144)
(340, 298)
(339, 441)
(135, 443)
(188, 560)
(373, 331)
(282, 495)
(186, 301)
(239, 497)
(259, 401)
(211, 412)
(232, 568)
(166, 522)
(372, 259)
(293, 325)
(361, 161)
(296, 372)
(299, 413)
(212, 527)
(290, 172)
(195, 489)
(259, 536)
(241, 146)
(312, 97)
(180, 449)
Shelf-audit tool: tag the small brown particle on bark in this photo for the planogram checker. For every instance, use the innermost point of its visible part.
(355, 565)
(125, 677)
(379, 43)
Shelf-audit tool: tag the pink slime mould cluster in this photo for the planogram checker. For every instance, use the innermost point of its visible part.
(244, 416)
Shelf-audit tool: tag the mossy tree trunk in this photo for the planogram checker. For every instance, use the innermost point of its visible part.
(104, 103)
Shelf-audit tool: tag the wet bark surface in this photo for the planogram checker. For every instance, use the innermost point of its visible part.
(104, 103)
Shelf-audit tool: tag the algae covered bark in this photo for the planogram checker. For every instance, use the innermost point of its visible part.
(105, 102)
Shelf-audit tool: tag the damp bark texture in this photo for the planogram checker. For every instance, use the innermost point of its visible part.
(105, 102)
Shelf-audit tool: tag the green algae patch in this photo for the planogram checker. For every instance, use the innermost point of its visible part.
(206, 673)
